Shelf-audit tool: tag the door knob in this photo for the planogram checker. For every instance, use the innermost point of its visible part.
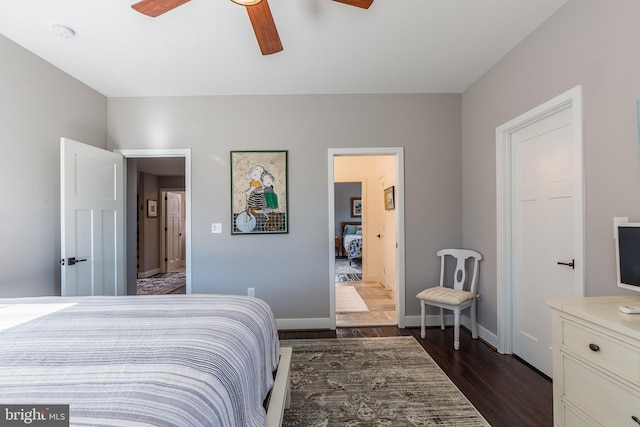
(568, 264)
(74, 261)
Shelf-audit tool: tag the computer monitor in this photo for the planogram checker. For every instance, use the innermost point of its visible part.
(627, 236)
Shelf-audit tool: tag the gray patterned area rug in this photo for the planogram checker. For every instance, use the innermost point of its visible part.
(346, 272)
(162, 284)
(372, 382)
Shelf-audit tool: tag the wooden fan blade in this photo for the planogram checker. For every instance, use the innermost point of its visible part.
(265, 28)
(155, 8)
(357, 3)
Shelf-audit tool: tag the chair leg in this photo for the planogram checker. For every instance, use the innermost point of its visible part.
(442, 319)
(474, 321)
(423, 331)
(456, 329)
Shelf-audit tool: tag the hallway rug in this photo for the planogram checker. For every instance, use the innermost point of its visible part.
(348, 273)
(161, 284)
(350, 277)
(348, 300)
(372, 382)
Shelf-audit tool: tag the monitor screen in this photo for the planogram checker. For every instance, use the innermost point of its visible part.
(628, 256)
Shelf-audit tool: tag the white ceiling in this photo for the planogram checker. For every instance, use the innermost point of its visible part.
(207, 47)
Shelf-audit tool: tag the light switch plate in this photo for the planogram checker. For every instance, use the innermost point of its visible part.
(216, 228)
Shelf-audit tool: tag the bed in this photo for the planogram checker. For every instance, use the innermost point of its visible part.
(352, 239)
(166, 360)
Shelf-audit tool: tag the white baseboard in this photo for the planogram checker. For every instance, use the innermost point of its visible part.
(320, 323)
(147, 274)
(434, 320)
(387, 286)
(410, 321)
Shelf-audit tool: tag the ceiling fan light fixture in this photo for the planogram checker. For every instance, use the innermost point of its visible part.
(246, 2)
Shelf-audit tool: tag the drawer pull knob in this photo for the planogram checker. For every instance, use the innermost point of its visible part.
(594, 347)
(636, 419)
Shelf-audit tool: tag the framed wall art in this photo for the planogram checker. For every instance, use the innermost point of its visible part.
(356, 207)
(259, 193)
(389, 198)
(152, 208)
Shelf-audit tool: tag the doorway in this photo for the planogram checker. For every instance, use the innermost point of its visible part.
(175, 166)
(382, 274)
(540, 223)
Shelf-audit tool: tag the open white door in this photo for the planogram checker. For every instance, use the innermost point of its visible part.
(92, 220)
(173, 205)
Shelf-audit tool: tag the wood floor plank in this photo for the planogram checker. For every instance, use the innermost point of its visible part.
(505, 390)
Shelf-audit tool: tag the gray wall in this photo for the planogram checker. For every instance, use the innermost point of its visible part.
(291, 271)
(149, 227)
(592, 43)
(343, 192)
(38, 105)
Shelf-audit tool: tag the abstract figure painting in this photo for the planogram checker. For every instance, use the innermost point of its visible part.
(259, 201)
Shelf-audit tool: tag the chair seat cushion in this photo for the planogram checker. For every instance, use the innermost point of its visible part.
(444, 295)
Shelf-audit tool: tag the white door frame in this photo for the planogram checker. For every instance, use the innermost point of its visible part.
(570, 99)
(167, 152)
(398, 152)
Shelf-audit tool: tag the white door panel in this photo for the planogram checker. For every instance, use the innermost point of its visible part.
(543, 232)
(92, 232)
(173, 226)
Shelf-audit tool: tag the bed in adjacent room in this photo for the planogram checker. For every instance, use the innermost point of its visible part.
(168, 360)
(352, 240)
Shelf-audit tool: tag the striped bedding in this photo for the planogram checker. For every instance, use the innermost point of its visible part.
(168, 360)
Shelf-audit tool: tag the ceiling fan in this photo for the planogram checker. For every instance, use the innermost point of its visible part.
(259, 13)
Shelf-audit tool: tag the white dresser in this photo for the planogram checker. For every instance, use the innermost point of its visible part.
(596, 362)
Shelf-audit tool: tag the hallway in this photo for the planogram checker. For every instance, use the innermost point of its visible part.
(172, 282)
(380, 302)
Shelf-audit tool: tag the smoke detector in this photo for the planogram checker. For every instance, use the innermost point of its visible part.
(63, 31)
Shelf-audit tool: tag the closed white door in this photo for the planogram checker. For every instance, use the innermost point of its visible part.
(381, 235)
(92, 213)
(173, 227)
(544, 212)
(388, 241)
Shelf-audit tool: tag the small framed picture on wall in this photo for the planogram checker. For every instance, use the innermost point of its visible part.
(389, 198)
(152, 208)
(356, 207)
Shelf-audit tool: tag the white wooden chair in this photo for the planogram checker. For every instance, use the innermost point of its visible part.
(456, 298)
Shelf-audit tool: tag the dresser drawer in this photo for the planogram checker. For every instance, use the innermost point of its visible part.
(573, 418)
(598, 396)
(605, 351)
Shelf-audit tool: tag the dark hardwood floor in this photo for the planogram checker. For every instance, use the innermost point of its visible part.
(505, 390)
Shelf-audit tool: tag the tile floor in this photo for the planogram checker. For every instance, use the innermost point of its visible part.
(381, 304)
